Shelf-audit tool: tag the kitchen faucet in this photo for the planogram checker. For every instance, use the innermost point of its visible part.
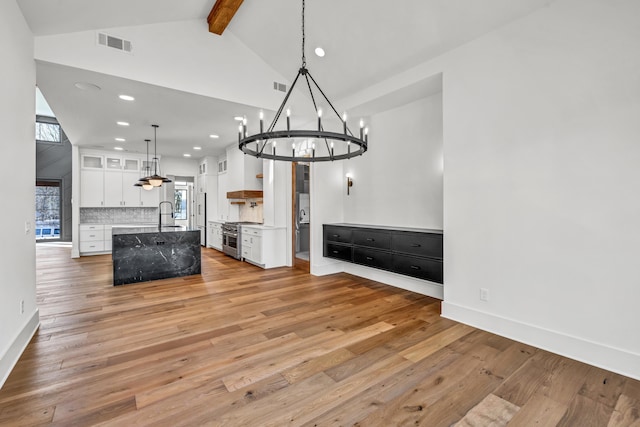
(160, 213)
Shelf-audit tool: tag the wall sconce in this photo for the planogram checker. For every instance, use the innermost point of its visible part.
(349, 182)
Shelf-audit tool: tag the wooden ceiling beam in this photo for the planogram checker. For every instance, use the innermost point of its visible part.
(221, 14)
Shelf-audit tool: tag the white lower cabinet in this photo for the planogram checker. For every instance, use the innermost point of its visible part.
(96, 239)
(91, 238)
(107, 238)
(215, 235)
(264, 246)
(252, 245)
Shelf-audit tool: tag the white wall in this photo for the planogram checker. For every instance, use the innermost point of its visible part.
(178, 166)
(17, 253)
(242, 170)
(327, 206)
(541, 169)
(398, 182)
(542, 179)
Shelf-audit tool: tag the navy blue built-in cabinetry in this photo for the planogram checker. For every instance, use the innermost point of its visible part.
(408, 251)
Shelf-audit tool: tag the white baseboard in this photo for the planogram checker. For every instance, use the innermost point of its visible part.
(10, 358)
(423, 287)
(328, 268)
(418, 286)
(606, 357)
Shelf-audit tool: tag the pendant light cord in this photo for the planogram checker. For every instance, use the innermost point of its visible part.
(155, 149)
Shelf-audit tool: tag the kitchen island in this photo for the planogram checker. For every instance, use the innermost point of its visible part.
(141, 254)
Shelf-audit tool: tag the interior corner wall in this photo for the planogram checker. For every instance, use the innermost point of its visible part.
(326, 185)
(398, 182)
(541, 182)
(17, 167)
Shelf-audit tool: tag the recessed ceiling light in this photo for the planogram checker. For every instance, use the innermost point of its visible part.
(187, 155)
(197, 148)
(238, 118)
(214, 136)
(123, 123)
(87, 86)
(118, 148)
(120, 139)
(126, 97)
(319, 51)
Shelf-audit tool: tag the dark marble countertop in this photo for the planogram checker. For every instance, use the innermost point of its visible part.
(147, 229)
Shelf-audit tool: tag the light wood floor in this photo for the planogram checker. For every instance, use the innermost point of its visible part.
(241, 346)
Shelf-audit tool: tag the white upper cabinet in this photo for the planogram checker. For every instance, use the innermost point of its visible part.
(120, 175)
(90, 161)
(107, 180)
(92, 188)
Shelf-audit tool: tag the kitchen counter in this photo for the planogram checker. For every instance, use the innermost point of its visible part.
(262, 226)
(384, 227)
(147, 253)
(134, 229)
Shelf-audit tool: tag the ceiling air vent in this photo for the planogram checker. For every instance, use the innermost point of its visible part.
(279, 86)
(114, 42)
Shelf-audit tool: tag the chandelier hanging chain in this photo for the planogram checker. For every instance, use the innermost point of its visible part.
(304, 59)
(313, 100)
(271, 136)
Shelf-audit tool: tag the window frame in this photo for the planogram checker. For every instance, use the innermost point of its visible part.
(48, 121)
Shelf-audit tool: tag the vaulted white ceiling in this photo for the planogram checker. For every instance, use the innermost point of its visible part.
(366, 41)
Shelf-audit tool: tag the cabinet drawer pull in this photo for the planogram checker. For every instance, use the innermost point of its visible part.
(370, 239)
(415, 267)
(369, 258)
(335, 235)
(416, 245)
(335, 252)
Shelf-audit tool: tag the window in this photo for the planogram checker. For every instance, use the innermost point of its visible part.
(180, 204)
(47, 210)
(48, 130)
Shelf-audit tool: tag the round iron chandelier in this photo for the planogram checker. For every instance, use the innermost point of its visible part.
(303, 145)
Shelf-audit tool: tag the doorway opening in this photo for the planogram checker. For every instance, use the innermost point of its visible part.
(183, 202)
(48, 210)
(301, 216)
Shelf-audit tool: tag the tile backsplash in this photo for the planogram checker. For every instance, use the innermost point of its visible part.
(252, 211)
(118, 215)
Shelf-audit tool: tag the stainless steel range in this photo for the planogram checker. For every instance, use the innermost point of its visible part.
(231, 239)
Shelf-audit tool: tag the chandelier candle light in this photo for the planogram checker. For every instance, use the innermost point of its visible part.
(305, 149)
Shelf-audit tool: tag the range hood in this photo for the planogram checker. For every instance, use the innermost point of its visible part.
(244, 194)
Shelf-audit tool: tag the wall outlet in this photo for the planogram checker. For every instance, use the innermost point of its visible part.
(27, 227)
(484, 294)
(22, 307)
